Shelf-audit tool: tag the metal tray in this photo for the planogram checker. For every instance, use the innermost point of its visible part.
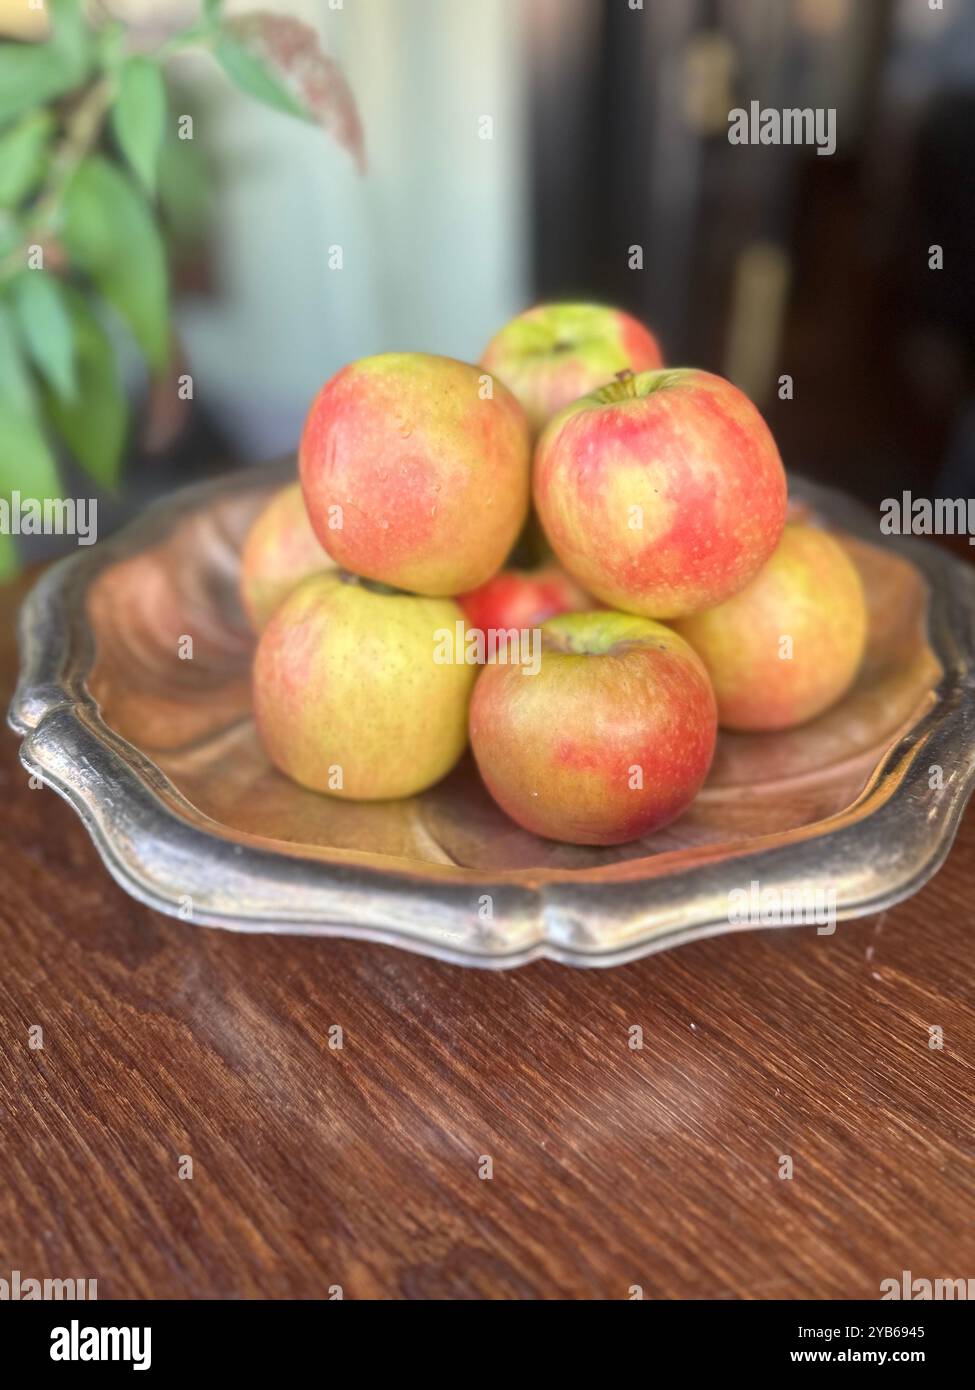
(159, 757)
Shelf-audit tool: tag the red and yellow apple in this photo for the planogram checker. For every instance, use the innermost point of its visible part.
(279, 552)
(661, 493)
(416, 471)
(610, 740)
(555, 353)
(523, 598)
(349, 696)
(790, 644)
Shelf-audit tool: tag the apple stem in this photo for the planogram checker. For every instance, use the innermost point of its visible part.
(621, 388)
(627, 381)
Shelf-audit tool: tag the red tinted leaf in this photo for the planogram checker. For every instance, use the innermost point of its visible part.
(291, 50)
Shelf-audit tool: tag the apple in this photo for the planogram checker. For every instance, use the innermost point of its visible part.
(416, 471)
(662, 493)
(610, 740)
(523, 598)
(349, 697)
(279, 552)
(790, 644)
(555, 353)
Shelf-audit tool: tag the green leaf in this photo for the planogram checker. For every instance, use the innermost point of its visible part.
(26, 462)
(46, 328)
(32, 74)
(213, 9)
(16, 386)
(23, 151)
(94, 424)
(139, 117)
(110, 45)
(110, 232)
(185, 190)
(10, 235)
(252, 77)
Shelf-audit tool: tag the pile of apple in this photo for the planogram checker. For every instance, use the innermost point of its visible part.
(677, 598)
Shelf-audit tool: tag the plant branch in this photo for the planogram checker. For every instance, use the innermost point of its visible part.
(83, 127)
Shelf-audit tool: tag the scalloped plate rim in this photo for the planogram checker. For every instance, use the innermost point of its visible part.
(51, 708)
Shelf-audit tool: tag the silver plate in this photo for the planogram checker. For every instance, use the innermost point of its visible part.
(96, 711)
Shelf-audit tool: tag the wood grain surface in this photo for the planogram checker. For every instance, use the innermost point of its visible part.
(358, 1167)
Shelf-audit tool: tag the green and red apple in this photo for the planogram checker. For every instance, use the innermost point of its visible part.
(416, 471)
(523, 599)
(610, 740)
(349, 697)
(661, 493)
(280, 550)
(790, 644)
(554, 353)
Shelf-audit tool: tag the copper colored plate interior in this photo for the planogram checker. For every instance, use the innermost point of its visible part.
(191, 718)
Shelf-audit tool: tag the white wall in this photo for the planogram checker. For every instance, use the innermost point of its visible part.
(434, 234)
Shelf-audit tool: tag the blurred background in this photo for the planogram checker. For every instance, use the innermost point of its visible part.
(519, 150)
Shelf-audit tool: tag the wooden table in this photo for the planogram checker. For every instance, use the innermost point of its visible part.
(315, 1167)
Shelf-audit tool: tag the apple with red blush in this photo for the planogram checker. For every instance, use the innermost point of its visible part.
(608, 741)
(662, 493)
(553, 353)
(518, 598)
(791, 643)
(416, 471)
(280, 550)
